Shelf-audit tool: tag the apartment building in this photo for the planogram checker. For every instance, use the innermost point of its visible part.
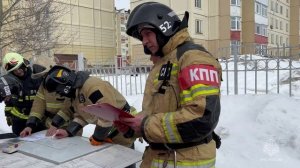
(91, 24)
(97, 31)
(271, 18)
(279, 23)
(86, 28)
(122, 39)
(260, 20)
(209, 23)
(219, 24)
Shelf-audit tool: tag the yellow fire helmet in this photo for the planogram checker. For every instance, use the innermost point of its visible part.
(41, 65)
(12, 61)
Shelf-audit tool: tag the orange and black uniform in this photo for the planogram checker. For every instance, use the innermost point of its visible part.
(19, 108)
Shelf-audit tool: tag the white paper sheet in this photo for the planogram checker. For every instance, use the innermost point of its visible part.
(35, 137)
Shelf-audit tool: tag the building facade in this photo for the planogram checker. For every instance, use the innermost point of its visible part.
(86, 28)
(122, 39)
(91, 26)
(222, 24)
(209, 23)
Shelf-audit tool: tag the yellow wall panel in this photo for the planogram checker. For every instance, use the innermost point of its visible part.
(107, 6)
(74, 2)
(97, 18)
(86, 16)
(74, 15)
(107, 20)
(97, 4)
(86, 3)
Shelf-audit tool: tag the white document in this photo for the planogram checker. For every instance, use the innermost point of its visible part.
(115, 156)
(35, 137)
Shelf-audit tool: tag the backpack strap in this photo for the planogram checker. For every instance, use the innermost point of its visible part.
(189, 45)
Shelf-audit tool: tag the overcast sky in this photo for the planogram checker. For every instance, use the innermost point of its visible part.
(122, 4)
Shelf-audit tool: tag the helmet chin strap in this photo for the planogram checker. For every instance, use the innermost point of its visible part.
(161, 41)
(147, 51)
(159, 53)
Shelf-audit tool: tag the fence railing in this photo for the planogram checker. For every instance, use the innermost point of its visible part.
(270, 70)
(263, 72)
(128, 80)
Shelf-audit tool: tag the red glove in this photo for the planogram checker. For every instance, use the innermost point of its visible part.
(124, 129)
(121, 127)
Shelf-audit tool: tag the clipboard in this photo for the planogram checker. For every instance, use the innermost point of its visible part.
(106, 112)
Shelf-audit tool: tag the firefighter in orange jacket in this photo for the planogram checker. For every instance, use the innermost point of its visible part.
(181, 103)
(84, 90)
(45, 104)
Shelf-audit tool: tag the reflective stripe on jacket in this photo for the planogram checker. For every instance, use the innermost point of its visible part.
(177, 114)
(16, 112)
(46, 105)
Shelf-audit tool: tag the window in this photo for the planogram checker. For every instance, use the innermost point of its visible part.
(261, 9)
(281, 9)
(272, 22)
(261, 29)
(258, 8)
(235, 23)
(281, 39)
(280, 24)
(272, 38)
(198, 3)
(287, 13)
(235, 43)
(235, 2)
(264, 10)
(198, 27)
(235, 46)
(123, 29)
(276, 23)
(272, 6)
(257, 29)
(287, 27)
(264, 30)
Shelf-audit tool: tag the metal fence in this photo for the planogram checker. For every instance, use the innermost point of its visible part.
(129, 80)
(266, 71)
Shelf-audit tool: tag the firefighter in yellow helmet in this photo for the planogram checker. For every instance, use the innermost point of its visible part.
(181, 103)
(18, 111)
(45, 104)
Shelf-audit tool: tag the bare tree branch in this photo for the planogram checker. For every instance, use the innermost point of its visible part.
(32, 26)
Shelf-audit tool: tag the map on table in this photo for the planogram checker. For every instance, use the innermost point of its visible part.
(59, 150)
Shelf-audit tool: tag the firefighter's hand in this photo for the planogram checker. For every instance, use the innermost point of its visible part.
(95, 142)
(9, 121)
(134, 123)
(26, 132)
(60, 133)
(51, 131)
(124, 129)
(121, 127)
